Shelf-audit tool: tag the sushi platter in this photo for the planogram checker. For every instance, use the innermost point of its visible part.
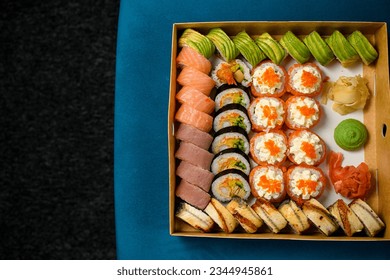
(278, 130)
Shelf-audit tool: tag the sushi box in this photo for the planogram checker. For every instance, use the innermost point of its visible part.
(375, 116)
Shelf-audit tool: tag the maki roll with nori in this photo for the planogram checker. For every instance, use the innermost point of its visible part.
(230, 183)
(231, 95)
(230, 159)
(232, 115)
(230, 137)
(234, 72)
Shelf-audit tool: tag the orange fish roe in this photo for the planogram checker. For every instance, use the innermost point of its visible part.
(306, 111)
(270, 185)
(309, 150)
(272, 147)
(308, 79)
(269, 77)
(307, 186)
(270, 113)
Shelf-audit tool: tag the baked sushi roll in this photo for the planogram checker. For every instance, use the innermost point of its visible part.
(268, 79)
(234, 72)
(304, 183)
(269, 148)
(245, 215)
(221, 216)
(267, 182)
(306, 147)
(230, 137)
(345, 217)
(267, 113)
(304, 79)
(194, 217)
(319, 216)
(231, 95)
(294, 216)
(270, 215)
(373, 225)
(230, 159)
(232, 115)
(302, 112)
(230, 183)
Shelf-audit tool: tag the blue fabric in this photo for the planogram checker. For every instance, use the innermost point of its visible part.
(141, 104)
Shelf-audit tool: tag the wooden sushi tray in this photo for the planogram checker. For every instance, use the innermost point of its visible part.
(376, 117)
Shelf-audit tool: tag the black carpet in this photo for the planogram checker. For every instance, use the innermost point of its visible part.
(57, 68)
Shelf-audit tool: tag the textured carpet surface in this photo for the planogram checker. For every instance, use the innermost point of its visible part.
(57, 67)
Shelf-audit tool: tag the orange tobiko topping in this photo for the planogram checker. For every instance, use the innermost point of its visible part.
(307, 186)
(306, 111)
(309, 150)
(270, 78)
(270, 185)
(272, 147)
(308, 79)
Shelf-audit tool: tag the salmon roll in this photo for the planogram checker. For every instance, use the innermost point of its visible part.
(188, 115)
(232, 115)
(269, 148)
(305, 79)
(195, 99)
(230, 159)
(267, 113)
(268, 79)
(267, 182)
(190, 76)
(234, 72)
(231, 95)
(302, 112)
(230, 183)
(306, 147)
(190, 57)
(304, 183)
(230, 137)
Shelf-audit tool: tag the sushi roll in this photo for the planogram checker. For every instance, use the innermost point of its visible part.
(318, 48)
(345, 217)
(268, 79)
(195, 99)
(221, 216)
(192, 77)
(188, 57)
(248, 48)
(230, 183)
(342, 49)
(193, 39)
(193, 117)
(230, 159)
(363, 47)
(267, 182)
(266, 113)
(232, 73)
(306, 147)
(232, 115)
(271, 48)
(295, 47)
(194, 217)
(294, 216)
(270, 215)
(230, 137)
(305, 79)
(269, 148)
(231, 95)
(304, 183)
(302, 112)
(224, 45)
(245, 215)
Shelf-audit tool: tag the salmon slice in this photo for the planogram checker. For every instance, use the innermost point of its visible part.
(190, 57)
(349, 181)
(196, 99)
(188, 115)
(190, 76)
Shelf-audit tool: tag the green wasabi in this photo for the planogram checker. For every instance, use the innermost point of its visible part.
(350, 134)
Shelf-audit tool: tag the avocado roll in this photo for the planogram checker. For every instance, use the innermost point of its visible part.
(342, 49)
(224, 45)
(197, 41)
(248, 48)
(363, 47)
(295, 47)
(271, 48)
(318, 48)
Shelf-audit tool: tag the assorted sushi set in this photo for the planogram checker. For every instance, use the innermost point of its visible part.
(247, 157)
